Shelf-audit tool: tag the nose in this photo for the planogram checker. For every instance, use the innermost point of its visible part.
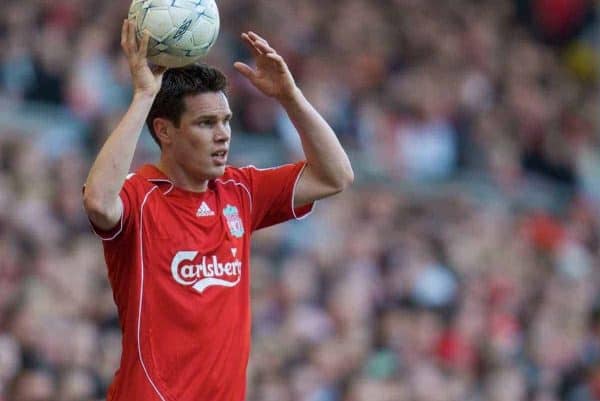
(222, 133)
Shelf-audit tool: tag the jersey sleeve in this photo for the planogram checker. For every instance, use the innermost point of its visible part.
(272, 192)
(131, 197)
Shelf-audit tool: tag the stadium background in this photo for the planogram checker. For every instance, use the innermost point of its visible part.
(464, 263)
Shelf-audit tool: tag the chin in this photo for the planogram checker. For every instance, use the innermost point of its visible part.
(210, 172)
(217, 172)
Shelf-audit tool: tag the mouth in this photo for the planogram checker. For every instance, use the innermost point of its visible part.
(219, 158)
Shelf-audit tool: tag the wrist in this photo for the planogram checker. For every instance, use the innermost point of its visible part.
(292, 97)
(144, 95)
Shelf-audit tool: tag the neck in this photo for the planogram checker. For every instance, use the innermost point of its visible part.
(180, 177)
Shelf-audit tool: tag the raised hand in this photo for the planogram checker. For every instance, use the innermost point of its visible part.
(146, 80)
(271, 76)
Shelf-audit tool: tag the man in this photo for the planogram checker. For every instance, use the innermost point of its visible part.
(176, 235)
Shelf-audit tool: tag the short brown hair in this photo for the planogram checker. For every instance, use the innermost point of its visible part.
(178, 83)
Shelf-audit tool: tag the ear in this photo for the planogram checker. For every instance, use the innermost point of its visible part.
(163, 129)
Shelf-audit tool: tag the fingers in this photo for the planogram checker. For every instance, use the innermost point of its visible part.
(261, 48)
(256, 36)
(256, 52)
(258, 43)
(261, 42)
(281, 65)
(124, 31)
(144, 44)
(264, 48)
(244, 69)
(131, 42)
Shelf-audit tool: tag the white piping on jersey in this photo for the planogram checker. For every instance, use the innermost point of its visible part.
(120, 220)
(239, 184)
(294, 195)
(252, 166)
(116, 234)
(266, 168)
(142, 294)
(153, 180)
(170, 189)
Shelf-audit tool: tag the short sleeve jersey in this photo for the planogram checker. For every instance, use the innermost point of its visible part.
(179, 266)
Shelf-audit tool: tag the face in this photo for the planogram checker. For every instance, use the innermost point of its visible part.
(200, 144)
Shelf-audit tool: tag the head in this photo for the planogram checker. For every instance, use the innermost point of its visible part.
(189, 120)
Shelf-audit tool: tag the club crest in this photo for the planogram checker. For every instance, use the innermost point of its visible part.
(236, 226)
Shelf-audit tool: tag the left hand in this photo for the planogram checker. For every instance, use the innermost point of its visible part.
(272, 75)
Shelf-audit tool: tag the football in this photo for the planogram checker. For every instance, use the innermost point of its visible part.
(181, 31)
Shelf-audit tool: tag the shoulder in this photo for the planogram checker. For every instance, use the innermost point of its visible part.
(245, 176)
(235, 179)
(232, 172)
(136, 189)
(236, 175)
(135, 179)
(137, 184)
(251, 176)
(250, 170)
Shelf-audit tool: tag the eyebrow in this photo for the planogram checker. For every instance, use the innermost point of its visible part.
(212, 116)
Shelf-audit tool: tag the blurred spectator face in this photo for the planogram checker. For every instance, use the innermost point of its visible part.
(427, 329)
(9, 359)
(427, 383)
(76, 385)
(34, 385)
(305, 382)
(299, 276)
(372, 390)
(274, 389)
(505, 385)
(84, 340)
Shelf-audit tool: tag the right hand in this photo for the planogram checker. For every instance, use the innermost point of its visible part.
(146, 80)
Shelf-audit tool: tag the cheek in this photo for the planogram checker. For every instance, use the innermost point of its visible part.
(195, 137)
(199, 139)
(194, 144)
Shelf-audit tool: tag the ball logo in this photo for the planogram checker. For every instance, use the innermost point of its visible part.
(206, 272)
(182, 29)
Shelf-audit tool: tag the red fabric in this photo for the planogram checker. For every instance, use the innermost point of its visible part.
(181, 281)
(544, 231)
(455, 352)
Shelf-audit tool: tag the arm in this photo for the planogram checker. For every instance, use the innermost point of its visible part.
(101, 195)
(328, 170)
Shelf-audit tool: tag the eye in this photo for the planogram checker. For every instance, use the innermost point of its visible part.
(205, 123)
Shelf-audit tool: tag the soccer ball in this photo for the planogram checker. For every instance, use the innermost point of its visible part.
(181, 31)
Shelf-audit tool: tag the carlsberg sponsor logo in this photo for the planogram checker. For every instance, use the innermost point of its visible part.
(205, 272)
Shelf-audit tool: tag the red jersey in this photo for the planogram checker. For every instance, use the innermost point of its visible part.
(179, 266)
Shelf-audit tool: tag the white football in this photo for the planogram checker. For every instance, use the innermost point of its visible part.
(181, 31)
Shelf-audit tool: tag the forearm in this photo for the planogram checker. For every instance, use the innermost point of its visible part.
(324, 153)
(113, 162)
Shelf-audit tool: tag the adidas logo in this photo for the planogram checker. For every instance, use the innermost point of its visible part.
(204, 210)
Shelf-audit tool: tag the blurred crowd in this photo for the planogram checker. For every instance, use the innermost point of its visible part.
(463, 265)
